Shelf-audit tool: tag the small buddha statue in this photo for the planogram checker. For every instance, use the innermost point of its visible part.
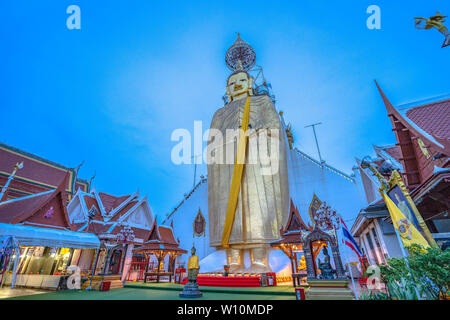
(327, 272)
(302, 264)
(190, 289)
(193, 266)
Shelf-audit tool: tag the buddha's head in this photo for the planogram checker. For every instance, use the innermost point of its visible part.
(239, 86)
(193, 251)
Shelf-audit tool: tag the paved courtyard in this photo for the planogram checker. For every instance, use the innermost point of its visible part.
(134, 293)
(18, 292)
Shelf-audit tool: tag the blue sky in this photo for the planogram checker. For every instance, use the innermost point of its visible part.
(112, 93)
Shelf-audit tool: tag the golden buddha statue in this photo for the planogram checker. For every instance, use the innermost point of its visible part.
(301, 264)
(262, 196)
(190, 289)
(193, 266)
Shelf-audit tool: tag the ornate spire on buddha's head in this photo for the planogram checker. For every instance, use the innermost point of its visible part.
(240, 58)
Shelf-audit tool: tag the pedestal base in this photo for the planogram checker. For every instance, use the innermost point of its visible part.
(191, 290)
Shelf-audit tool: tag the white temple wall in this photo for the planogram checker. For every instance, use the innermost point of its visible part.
(307, 178)
(183, 220)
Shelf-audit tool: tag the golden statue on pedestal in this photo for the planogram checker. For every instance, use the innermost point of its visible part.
(193, 266)
(247, 203)
(190, 289)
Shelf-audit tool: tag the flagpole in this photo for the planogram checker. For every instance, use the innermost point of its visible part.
(351, 277)
(348, 263)
(400, 242)
(366, 163)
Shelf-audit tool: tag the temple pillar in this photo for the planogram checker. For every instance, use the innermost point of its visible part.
(127, 262)
(309, 261)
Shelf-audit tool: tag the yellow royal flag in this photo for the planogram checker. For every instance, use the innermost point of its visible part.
(408, 232)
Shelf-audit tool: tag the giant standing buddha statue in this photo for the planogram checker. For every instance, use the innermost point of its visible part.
(247, 202)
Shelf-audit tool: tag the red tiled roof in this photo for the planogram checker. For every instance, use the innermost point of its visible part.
(124, 210)
(91, 201)
(37, 175)
(98, 225)
(167, 235)
(394, 152)
(17, 210)
(433, 118)
(47, 208)
(160, 237)
(161, 234)
(111, 202)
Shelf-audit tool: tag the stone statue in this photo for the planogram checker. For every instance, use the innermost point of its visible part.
(263, 200)
(327, 272)
(190, 289)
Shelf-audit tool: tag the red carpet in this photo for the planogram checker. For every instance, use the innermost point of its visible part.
(211, 281)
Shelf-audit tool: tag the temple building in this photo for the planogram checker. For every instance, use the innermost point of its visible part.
(49, 243)
(420, 155)
(119, 222)
(159, 251)
(57, 221)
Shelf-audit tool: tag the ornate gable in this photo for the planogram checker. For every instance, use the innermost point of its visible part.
(154, 234)
(295, 222)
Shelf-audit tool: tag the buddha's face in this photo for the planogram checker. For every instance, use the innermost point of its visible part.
(238, 85)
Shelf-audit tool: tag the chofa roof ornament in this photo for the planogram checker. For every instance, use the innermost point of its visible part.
(240, 56)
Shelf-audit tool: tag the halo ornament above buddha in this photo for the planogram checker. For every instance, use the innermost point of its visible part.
(240, 56)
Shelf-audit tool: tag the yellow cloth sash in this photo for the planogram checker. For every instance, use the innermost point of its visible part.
(237, 176)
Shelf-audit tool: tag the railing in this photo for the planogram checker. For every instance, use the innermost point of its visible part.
(139, 268)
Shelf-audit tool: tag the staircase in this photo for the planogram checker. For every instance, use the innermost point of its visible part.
(329, 290)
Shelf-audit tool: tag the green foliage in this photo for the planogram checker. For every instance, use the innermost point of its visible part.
(432, 264)
(402, 290)
(430, 274)
(372, 295)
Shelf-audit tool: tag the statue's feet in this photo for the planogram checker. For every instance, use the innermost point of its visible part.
(236, 268)
(258, 267)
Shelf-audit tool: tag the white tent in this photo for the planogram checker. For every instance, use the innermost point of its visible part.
(45, 237)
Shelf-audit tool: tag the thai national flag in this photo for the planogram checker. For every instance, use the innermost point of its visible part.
(349, 240)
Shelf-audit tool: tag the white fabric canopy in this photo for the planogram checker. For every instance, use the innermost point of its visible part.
(45, 237)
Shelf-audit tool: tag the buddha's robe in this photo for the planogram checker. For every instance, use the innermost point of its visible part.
(193, 262)
(263, 203)
(193, 268)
